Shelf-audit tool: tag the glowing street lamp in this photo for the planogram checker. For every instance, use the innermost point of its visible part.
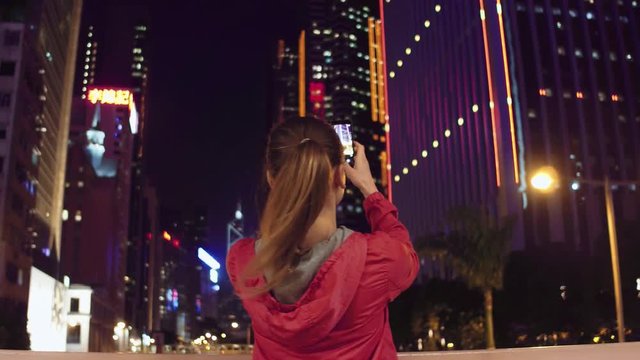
(546, 179)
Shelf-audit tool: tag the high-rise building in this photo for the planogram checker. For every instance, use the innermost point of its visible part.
(333, 74)
(114, 52)
(186, 281)
(96, 214)
(37, 56)
(286, 83)
(481, 94)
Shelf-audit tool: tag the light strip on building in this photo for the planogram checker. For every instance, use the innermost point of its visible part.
(516, 170)
(373, 76)
(302, 105)
(489, 79)
(383, 57)
(382, 113)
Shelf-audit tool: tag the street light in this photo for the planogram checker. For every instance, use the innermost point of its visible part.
(546, 179)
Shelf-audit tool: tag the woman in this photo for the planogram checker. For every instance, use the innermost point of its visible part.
(315, 290)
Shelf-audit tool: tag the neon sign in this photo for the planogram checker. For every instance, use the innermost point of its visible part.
(110, 96)
(212, 263)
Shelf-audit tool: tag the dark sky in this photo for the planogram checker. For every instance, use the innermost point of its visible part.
(209, 90)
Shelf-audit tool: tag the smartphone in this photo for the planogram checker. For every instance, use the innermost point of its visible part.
(343, 129)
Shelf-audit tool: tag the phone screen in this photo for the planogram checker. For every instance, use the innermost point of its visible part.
(346, 138)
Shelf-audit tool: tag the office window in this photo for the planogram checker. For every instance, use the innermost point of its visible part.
(11, 273)
(7, 68)
(5, 100)
(75, 305)
(11, 38)
(73, 334)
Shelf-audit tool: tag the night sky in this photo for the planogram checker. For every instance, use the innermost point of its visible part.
(210, 72)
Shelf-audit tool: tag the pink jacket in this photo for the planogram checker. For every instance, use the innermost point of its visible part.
(343, 314)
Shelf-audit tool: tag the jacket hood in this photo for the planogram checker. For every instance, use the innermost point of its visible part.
(319, 308)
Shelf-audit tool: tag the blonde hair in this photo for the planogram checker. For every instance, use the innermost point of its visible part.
(302, 154)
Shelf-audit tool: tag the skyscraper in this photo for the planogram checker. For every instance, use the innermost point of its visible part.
(37, 57)
(114, 53)
(483, 93)
(338, 56)
(96, 215)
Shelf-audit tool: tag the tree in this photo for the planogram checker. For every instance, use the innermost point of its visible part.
(477, 248)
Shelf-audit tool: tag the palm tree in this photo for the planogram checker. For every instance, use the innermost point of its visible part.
(477, 248)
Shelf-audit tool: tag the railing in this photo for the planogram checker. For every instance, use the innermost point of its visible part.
(626, 351)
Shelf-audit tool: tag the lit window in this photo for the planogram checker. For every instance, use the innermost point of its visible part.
(573, 13)
(435, 144)
(407, 51)
(399, 63)
(414, 162)
(566, 95)
(561, 50)
(589, 15)
(545, 92)
(78, 216)
(613, 56)
(629, 57)
(81, 184)
(579, 53)
(425, 153)
(460, 121)
(595, 54)
(416, 37)
(405, 171)
(475, 108)
(559, 25)
(396, 178)
(447, 133)
(65, 215)
(392, 74)
(579, 95)
(438, 8)
(427, 23)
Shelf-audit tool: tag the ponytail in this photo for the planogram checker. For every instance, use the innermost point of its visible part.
(300, 177)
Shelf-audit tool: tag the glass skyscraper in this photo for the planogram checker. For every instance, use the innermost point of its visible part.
(482, 93)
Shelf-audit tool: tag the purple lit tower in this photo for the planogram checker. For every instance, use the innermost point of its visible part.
(481, 93)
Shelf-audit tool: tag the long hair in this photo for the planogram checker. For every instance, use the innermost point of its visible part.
(301, 156)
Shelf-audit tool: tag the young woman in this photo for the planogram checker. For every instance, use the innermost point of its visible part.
(314, 290)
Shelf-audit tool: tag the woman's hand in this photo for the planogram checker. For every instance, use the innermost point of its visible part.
(360, 174)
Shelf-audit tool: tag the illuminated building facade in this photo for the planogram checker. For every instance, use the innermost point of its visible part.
(186, 282)
(38, 41)
(101, 38)
(96, 212)
(481, 94)
(286, 83)
(339, 63)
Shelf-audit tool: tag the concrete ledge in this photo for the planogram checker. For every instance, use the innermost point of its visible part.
(627, 351)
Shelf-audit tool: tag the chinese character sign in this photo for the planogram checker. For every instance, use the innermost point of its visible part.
(110, 96)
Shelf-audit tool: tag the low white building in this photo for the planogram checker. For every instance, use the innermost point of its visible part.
(78, 318)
